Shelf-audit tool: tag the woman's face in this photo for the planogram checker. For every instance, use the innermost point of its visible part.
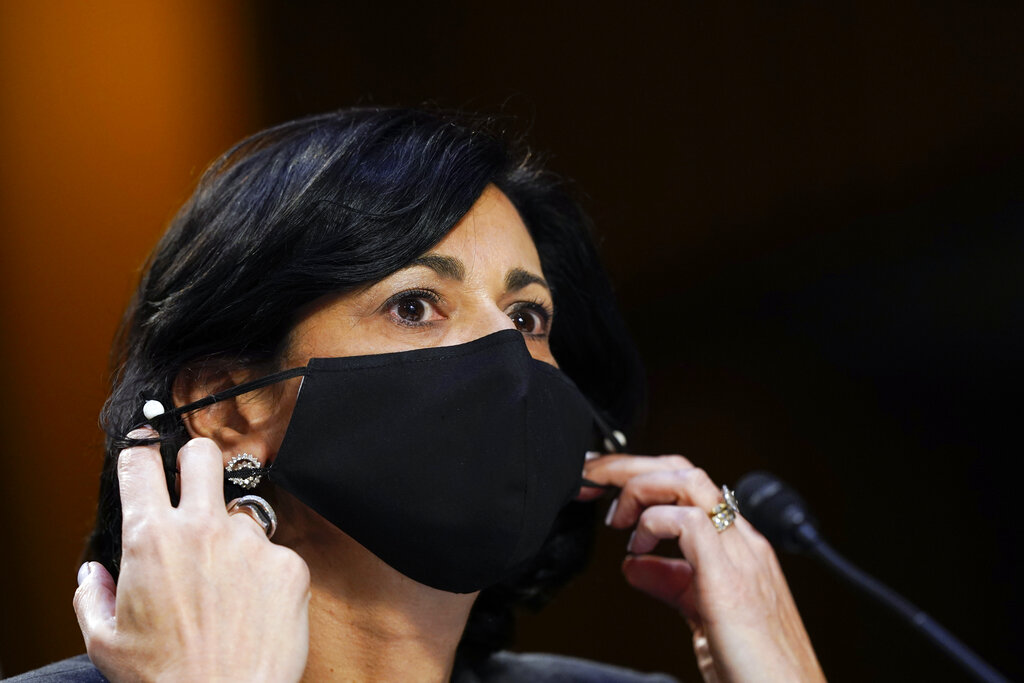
(484, 276)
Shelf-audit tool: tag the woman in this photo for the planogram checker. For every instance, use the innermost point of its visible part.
(420, 283)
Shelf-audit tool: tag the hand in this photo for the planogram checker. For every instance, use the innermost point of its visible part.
(202, 595)
(730, 587)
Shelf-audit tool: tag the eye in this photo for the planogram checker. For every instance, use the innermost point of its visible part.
(413, 308)
(531, 318)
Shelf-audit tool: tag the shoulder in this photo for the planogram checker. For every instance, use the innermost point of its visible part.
(76, 669)
(512, 667)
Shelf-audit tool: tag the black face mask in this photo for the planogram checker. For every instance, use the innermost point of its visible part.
(449, 463)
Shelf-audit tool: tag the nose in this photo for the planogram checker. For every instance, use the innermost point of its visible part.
(482, 320)
(488, 319)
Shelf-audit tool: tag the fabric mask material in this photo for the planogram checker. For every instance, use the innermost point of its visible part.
(449, 463)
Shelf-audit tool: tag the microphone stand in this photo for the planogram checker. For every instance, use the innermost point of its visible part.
(816, 546)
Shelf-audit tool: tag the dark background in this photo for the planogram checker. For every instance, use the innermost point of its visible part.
(813, 216)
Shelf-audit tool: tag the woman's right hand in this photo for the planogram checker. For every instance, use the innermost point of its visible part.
(729, 587)
(202, 595)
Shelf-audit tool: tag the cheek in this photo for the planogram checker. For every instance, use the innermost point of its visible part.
(277, 423)
(541, 350)
(360, 336)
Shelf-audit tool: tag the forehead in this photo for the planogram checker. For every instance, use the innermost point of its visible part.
(488, 256)
(491, 233)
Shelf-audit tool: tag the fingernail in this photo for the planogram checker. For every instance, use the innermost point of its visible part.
(591, 455)
(143, 432)
(83, 572)
(611, 512)
(629, 546)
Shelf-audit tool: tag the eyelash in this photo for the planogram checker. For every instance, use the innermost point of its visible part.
(410, 295)
(542, 309)
(545, 311)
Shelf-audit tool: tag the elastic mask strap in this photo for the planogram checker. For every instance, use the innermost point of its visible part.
(235, 391)
(614, 442)
(238, 390)
(586, 483)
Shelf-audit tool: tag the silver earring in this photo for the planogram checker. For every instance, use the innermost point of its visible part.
(244, 461)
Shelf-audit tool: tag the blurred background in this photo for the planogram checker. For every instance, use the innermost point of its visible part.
(813, 213)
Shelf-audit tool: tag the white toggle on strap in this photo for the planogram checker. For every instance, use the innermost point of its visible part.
(152, 409)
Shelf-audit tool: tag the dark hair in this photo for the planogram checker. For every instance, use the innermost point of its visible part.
(329, 203)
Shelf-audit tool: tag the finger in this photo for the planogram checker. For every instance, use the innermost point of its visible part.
(140, 478)
(700, 543)
(665, 579)
(588, 492)
(691, 486)
(202, 475)
(710, 551)
(94, 602)
(617, 469)
(241, 513)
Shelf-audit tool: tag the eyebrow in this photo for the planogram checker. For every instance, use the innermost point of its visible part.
(517, 278)
(452, 268)
(447, 267)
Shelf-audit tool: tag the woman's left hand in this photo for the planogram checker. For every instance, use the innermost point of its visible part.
(202, 595)
(729, 587)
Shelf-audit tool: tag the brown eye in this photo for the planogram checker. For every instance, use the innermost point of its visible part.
(530, 320)
(411, 310)
(414, 308)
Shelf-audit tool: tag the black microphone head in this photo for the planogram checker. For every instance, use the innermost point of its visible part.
(777, 511)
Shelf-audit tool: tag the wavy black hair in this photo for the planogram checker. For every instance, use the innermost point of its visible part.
(327, 204)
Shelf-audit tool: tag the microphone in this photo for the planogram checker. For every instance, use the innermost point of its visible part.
(777, 511)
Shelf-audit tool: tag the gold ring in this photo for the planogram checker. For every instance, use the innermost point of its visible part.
(724, 514)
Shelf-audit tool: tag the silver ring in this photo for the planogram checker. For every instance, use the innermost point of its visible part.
(257, 508)
(724, 514)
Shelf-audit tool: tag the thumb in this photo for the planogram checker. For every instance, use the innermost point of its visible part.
(94, 602)
(663, 578)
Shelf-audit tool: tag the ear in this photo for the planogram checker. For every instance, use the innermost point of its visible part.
(250, 423)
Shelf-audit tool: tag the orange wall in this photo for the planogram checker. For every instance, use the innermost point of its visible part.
(108, 110)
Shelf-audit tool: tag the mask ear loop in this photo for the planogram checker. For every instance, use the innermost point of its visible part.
(154, 410)
(614, 442)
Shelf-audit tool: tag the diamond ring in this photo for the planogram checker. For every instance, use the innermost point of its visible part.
(724, 514)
